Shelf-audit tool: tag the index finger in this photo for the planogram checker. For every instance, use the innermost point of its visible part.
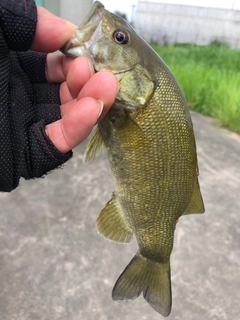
(52, 32)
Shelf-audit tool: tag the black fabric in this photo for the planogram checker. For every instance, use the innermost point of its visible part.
(27, 101)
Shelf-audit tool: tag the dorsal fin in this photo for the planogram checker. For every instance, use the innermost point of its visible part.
(196, 203)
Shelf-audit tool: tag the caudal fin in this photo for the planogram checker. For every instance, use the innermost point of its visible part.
(148, 277)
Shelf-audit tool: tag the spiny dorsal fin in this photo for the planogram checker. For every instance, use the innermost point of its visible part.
(95, 147)
(196, 203)
(112, 224)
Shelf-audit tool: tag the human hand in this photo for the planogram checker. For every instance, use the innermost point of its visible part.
(85, 96)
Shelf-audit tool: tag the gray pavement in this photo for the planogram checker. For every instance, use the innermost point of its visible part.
(54, 265)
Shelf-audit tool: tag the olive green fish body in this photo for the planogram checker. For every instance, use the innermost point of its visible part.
(151, 167)
(150, 143)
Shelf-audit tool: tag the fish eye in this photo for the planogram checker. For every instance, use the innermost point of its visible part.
(121, 36)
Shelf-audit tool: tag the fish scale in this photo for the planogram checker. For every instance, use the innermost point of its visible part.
(148, 136)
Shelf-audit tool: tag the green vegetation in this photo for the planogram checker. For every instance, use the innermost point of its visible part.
(209, 77)
(121, 14)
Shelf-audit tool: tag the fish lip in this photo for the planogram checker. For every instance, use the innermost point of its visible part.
(87, 27)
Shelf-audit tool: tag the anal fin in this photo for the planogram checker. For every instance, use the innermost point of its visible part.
(112, 224)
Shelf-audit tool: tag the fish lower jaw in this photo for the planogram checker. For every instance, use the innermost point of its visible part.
(75, 49)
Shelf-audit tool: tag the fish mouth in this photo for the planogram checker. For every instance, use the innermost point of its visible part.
(84, 35)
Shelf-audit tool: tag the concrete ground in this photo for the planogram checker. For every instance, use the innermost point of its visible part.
(54, 265)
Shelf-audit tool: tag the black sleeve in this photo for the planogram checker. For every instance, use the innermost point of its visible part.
(27, 102)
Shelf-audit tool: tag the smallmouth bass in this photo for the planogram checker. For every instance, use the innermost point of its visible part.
(149, 138)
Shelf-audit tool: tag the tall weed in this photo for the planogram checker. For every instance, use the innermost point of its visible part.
(209, 77)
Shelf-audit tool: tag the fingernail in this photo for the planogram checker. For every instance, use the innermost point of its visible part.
(91, 67)
(100, 102)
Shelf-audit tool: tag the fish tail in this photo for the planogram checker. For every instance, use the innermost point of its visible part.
(149, 277)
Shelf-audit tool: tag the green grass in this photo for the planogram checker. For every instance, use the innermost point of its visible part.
(209, 77)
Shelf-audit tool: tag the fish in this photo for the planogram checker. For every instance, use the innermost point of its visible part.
(149, 139)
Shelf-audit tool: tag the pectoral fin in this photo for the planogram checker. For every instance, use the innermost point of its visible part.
(112, 224)
(196, 203)
(95, 147)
